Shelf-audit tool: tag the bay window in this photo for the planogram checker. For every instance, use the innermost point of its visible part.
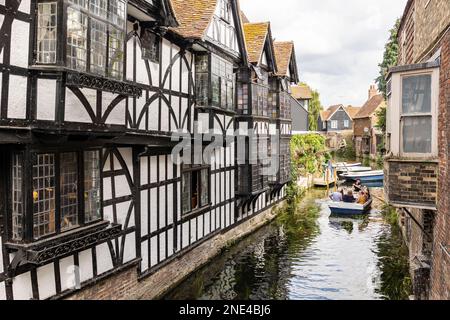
(64, 192)
(215, 82)
(95, 35)
(195, 188)
(416, 117)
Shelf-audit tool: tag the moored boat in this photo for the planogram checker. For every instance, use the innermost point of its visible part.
(354, 169)
(376, 175)
(349, 209)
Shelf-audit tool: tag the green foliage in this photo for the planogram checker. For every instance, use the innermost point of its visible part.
(390, 57)
(349, 152)
(314, 111)
(308, 153)
(381, 122)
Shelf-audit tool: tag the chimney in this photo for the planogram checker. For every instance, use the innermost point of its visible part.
(373, 91)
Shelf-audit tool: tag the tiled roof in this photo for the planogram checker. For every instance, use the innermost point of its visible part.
(324, 115)
(370, 107)
(283, 53)
(330, 111)
(301, 92)
(255, 38)
(193, 17)
(352, 111)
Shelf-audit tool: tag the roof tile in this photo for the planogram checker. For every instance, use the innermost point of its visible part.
(370, 107)
(255, 38)
(283, 53)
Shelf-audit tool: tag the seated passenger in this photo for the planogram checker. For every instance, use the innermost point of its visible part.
(358, 186)
(362, 198)
(348, 198)
(336, 196)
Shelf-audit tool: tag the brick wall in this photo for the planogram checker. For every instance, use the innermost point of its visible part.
(411, 182)
(126, 285)
(359, 125)
(440, 273)
(427, 34)
(406, 37)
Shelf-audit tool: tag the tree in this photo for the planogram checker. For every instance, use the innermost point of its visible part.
(390, 57)
(381, 119)
(314, 110)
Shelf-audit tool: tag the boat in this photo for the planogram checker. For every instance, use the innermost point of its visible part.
(349, 209)
(375, 175)
(346, 165)
(354, 169)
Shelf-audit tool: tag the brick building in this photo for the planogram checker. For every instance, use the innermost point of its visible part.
(418, 137)
(366, 135)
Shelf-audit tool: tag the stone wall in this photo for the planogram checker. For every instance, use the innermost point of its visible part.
(411, 183)
(127, 286)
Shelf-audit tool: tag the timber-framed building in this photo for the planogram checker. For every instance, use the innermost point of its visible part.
(92, 92)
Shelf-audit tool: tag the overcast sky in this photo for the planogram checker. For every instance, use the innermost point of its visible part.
(339, 43)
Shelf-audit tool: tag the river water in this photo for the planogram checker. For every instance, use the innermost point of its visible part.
(307, 255)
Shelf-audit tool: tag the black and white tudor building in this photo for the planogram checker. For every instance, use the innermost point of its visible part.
(91, 92)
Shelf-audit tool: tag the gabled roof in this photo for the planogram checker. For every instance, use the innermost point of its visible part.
(353, 111)
(244, 17)
(326, 115)
(301, 92)
(256, 35)
(369, 108)
(193, 17)
(283, 55)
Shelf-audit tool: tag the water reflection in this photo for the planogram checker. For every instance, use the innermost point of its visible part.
(306, 256)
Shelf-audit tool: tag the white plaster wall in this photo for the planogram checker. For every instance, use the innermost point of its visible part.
(1, 256)
(75, 111)
(130, 56)
(162, 167)
(153, 169)
(170, 250)
(107, 192)
(144, 255)
(162, 207)
(129, 248)
(24, 6)
(153, 115)
(46, 281)
(144, 170)
(153, 250)
(122, 187)
(153, 210)
(67, 271)
(165, 116)
(86, 266)
(141, 69)
(122, 212)
(17, 102)
(117, 115)
(166, 45)
(46, 99)
(104, 260)
(207, 223)
(144, 212)
(154, 72)
(162, 246)
(169, 204)
(22, 289)
(185, 235)
(2, 291)
(20, 34)
(193, 234)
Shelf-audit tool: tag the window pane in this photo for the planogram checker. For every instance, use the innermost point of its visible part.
(43, 195)
(417, 134)
(416, 94)
(186, 192)
(204, 187)
(99, 8)
(80, 3)
(98, 47)
(92, 195)
(17, 201)
(215, 83)
(115, 65)
(69, 190)
(117, 12)
(76, 39)
(46, 33)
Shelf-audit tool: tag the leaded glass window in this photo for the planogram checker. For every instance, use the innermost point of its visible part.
(46, 32)
(116, 54)
(77, 24)
(99, 8)
(195, 189)
(44, 185)
(92, 195)
(17, 200)
(98, 46)
(186, 192)
(68, 168)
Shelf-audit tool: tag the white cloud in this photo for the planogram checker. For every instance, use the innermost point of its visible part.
(339, 43)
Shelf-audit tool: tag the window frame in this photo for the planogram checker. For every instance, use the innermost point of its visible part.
(28, 160)
(197, 169)
(334, 124)
(346, 124)
(62, 60)
(434, 95)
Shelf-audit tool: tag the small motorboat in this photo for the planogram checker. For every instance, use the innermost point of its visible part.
(375, 175)
(354, 169)
(346, 165)
(349, 209)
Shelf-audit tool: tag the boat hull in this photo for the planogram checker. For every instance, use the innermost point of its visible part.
(350, 209)
(364, 177)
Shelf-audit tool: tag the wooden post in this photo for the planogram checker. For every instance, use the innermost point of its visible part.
(327, 180)
(335, 180)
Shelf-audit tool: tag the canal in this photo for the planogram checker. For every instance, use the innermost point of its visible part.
(308, 255)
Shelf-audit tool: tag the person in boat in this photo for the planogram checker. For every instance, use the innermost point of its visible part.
(362, 199)
(367, 191)
(349, 198)
(357, 186)
(336, 196)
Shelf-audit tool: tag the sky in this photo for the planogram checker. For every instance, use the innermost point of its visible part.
(338, 43)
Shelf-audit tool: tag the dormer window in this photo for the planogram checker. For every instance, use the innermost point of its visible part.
(94, 36)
